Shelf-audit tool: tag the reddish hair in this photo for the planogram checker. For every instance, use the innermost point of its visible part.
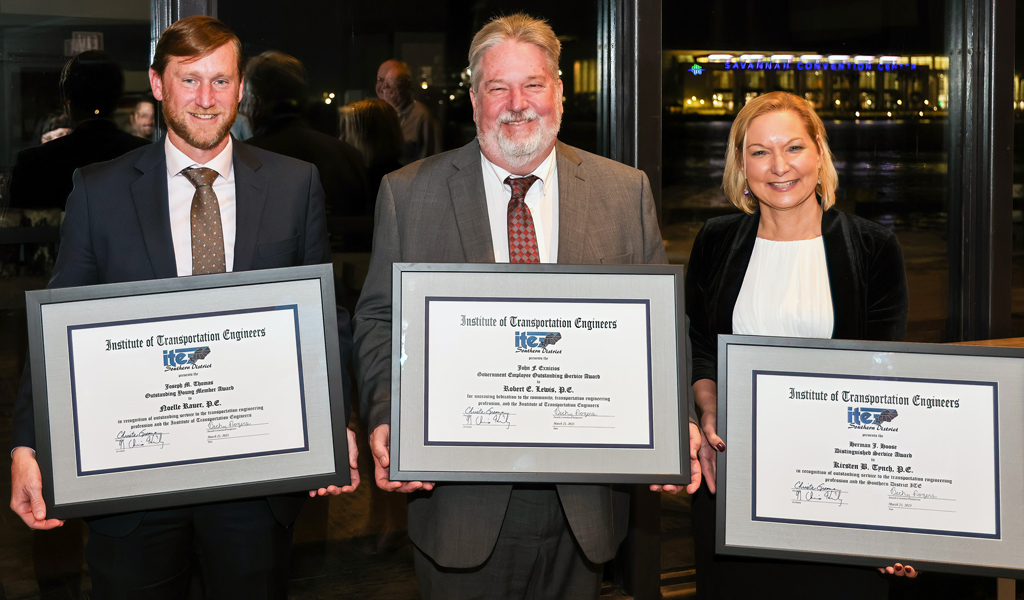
(195, 37)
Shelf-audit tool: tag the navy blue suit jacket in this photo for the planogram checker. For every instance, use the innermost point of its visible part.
(117, 228)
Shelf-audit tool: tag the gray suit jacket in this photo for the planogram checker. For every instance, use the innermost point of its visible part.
(435, 210)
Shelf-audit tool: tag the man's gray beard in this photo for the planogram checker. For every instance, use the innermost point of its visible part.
(518, 153)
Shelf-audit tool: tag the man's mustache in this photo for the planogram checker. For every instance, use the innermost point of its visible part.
(518, 117)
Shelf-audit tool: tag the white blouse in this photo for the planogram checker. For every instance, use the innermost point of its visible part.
(785, 291)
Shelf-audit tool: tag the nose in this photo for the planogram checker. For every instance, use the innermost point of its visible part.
(779, 164)
(205, 96)
(517, 100)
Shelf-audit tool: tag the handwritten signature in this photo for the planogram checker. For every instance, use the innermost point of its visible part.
(577, 413)
(478, 416)
(897, 493)
(218, 426)
(139, 439)
(809, 492)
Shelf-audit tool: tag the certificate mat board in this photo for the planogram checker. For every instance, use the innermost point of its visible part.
(187, 390)
(871, 453)
(539, 373)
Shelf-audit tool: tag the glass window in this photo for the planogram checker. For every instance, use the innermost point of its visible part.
(880, 86)
(1017, 216)
(36, 40)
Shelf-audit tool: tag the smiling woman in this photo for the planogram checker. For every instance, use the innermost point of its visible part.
(793, 266)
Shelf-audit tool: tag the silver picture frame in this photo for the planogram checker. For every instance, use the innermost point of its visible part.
(914, 526)
(660, 456)
(321, 459)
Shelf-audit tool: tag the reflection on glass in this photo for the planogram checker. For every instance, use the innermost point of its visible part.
(885, 109)
(1017, 215)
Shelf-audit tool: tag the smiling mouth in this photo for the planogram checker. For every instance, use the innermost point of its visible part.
(204, 116)
(783, 185)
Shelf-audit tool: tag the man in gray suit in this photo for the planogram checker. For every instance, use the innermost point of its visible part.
(515, 194)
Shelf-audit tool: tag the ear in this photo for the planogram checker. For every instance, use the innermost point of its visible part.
(472, 100)
(156, 84)
(241, 87)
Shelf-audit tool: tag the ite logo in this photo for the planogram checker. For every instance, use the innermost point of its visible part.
(537, 339)
(185, 356)
(869, 416)
(696, 69)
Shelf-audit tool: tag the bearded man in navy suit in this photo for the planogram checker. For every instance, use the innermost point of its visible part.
(134, 218)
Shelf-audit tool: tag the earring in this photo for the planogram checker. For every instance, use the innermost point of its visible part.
(746, 188)
(819, 179)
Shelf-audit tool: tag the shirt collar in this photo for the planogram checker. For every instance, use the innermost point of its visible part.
(544, 170)
(177, 160)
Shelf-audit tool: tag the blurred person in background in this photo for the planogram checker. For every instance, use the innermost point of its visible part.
(142, 121)
(420, 128)
(372, 127)
(274, 101)
(55, 126)
(90, 87)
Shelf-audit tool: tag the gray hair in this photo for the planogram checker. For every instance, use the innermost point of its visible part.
(521, 28)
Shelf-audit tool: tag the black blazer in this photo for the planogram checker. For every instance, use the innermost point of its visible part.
(865, 274)
(117, 228)
(41, 175)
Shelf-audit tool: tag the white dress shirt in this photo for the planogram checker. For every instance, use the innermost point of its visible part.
(785, 291)
(179, 198)
(541, 199)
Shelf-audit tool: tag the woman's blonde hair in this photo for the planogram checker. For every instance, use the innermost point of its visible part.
(734, 181)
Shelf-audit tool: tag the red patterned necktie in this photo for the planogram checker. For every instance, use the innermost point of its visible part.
(207, 233)
(522, 237)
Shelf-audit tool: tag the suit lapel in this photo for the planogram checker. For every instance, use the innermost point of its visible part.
(734, 270)
(250, 198)
(469, 201)
(843, 276)
(572, 205)
(149, 193)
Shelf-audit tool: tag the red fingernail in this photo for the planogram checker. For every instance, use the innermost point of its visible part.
(721, 447)
(899, 568)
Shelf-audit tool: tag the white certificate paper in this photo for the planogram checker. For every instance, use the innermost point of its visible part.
(550, 372)
(194, 388)
(879, 453)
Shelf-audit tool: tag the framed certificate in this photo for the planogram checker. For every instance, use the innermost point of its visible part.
(539, 373)
(187, 390)
(872, 452)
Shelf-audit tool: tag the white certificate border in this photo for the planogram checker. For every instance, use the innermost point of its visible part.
(995, 452)
(426, 371)
(74, 388)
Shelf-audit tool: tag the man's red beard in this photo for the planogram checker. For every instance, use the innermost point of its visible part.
(192, 138)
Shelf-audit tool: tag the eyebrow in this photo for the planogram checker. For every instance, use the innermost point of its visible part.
(501, 80)
(796, 139)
